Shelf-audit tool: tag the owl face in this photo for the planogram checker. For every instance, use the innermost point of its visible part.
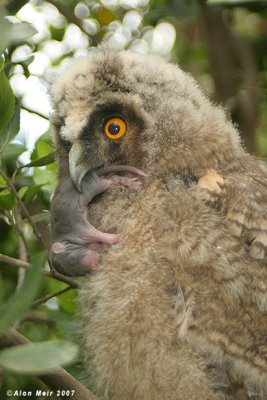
(111, 132)
(117, 106)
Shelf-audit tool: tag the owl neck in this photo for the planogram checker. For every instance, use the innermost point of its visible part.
(189, 164)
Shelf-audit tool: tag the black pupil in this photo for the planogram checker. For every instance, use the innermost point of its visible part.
(114, 128)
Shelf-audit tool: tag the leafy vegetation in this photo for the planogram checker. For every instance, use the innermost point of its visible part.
(222, 43)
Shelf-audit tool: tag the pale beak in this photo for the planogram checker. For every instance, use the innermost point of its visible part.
(78, 168)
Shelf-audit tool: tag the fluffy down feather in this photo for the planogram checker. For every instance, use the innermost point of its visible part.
(178, 309)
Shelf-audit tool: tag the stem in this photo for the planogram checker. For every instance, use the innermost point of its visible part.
(24, 209)
(34, 112)
(50, 296)
(51, 274)
(58, 380)
(23, 253)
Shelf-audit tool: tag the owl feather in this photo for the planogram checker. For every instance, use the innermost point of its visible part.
(177, 310)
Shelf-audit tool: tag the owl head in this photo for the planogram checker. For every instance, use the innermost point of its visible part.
(118, 106)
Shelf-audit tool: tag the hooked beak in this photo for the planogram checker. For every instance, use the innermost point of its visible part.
(78, 168)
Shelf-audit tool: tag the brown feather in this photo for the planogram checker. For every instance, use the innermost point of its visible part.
(177, 309)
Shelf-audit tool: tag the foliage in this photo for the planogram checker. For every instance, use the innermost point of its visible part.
(36, 358)
(38, 303)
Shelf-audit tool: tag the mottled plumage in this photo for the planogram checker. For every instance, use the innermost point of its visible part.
(178, 309)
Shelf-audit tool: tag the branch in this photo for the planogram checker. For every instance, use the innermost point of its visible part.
(63, 278)
(23, 208)
(224, 59)
(59, 379)
(14, 261)
(50, 296)
(52, 274)
(23, 250)
(38, 317)
(221, 57)
(34, 112)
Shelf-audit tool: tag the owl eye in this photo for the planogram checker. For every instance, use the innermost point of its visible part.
(115, 128)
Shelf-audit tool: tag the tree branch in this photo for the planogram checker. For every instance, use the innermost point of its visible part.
(50, 296)
(39, 317)
(34, 112)
(231, 56)
(59, 379)
(23, 250)
(52, 274)
(13, 190)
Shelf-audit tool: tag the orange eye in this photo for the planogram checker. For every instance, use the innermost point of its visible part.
(115, 128)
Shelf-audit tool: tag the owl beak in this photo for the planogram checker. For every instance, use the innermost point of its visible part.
(78, 168)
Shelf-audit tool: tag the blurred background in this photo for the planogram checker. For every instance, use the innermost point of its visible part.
(223, 44)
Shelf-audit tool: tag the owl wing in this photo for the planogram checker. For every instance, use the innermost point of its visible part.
(242, 198)
(246, 211)
(237, 335)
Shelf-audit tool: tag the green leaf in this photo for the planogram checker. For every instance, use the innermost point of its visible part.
(63, 322)
(2, 181)
(2, 61)
(7, 100)
(46, 177)
(39, 162)
(2, 290)
(17, 305)
(22, 191)
(44, 216)
(37, 358)
(13, 151)
(43, 146)
(10, 130)
(14, 33)
(57, 33)
(68, 301)
(7, 200)
(13, 6)
(31, 193)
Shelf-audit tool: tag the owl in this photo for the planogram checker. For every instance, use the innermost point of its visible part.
(174, 306)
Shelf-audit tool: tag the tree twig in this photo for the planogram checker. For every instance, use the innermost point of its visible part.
(34, 112)
(52, 274)
(12, 188)
(50, 296)
(231, 56)
(38, 317)
(23, 251)
(59, 379)
(13, 261)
